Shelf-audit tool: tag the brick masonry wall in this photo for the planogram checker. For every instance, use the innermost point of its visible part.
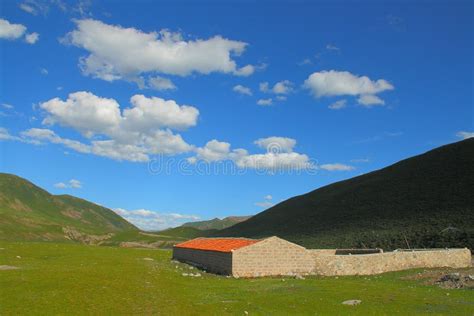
(270, 257)
(327, 264)
(212, 261)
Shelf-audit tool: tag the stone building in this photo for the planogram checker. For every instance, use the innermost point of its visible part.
(242, 257)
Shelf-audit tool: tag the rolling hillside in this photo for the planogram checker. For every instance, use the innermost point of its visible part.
(423, 201)
(217, 223)
(28, 212)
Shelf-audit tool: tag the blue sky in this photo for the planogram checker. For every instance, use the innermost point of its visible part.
(247, 104)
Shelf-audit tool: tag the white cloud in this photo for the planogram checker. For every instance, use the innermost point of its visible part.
(281, 97)
(332, 47)
(214, 150)
(117, 53)
(152, 112)
(11, 31)
(71, 184)
(160, 83)
(138, 132)
(154, 221)
(91, 114)
(36, 7)
(336, 167)
(5, 135)
(242, 90)
(7, 106)
(276, 144)
(39, 136)
(275, 161)
(279, 155)
(28, 8)
(305, 61)
(32, 38)
(464, 134)
(369, 100)
(84, 112)
(338, 105)
(60, 185)
(264, 204)
(281, 87)
(44, 71)
(265, 102)
(338, 83)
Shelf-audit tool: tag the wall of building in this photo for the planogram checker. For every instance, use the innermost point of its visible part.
(212, 261)
(331, 264)
(272, 256)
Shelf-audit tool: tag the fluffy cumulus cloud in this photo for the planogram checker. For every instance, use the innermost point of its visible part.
(116, 52)
(279, 155)
(242, 89)
(276, 144)
(154, 221)
(133, 134)
(12, 31)
(282, 87)
(71, 184)
(464, 134)
(339, 83)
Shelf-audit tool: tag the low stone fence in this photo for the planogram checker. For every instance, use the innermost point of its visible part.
(328, 263)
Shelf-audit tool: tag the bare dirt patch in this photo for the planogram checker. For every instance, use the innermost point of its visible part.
(446, 278)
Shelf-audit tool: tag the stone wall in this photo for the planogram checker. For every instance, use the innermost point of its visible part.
(274, 256)
(212, 261)
(270, 257)
(331, 264)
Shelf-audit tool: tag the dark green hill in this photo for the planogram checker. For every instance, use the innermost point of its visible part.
(28, 212)
(217, 223)
(423, 201)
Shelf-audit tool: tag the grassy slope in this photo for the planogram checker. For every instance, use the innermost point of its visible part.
(186, 232)
(76, 279)
(217, 223)
(28, 212)
(428, 199)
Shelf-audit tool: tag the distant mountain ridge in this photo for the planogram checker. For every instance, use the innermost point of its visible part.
(423, 201)
(28, 212)
(217, 223)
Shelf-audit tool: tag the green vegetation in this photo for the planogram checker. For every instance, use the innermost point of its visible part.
(421, 202)
(28, 212)
(217, 223)
(186, 232)
(74, 279)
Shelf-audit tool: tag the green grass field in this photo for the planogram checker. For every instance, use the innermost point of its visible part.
(73, 279)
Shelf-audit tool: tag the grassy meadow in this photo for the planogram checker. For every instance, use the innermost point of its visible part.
(74, 279)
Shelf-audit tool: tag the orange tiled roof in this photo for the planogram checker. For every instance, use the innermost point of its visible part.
(217, 244)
